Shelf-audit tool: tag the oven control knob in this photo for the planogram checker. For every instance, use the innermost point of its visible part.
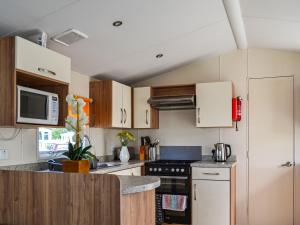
(150, 169)
(177, 170)
(159, 169)
(172, 170)
(155, 169)
(182, 170)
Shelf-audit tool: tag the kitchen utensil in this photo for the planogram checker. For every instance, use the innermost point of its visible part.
(152, 153)
(221, 152)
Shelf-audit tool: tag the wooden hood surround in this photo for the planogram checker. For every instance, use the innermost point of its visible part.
(42, 198)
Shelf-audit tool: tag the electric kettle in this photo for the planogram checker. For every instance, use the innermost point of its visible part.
(221, 152)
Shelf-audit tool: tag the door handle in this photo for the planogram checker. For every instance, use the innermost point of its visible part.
(43, 70)
(121, 116)
(195, 197)
(287, 164)
(125, 116)
(146, 116)
(215, 174)
(198, 115)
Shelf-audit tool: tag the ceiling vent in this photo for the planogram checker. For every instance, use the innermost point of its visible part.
(69, 37)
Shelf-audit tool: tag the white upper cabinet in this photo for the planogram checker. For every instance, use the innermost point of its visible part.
(126, 106)
(33, 58)
(142, 115)
(214, 104)
(117, 104)
(121, 105)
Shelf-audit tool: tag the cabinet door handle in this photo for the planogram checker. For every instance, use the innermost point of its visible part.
(147, 116)
(195, 197)
(43, 70)
(198, 115)
(125, 116)
(214, 174)
(121, 115)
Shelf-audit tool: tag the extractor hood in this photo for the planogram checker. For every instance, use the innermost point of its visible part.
(173, 102)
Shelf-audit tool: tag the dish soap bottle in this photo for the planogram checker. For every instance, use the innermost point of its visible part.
(142, 149)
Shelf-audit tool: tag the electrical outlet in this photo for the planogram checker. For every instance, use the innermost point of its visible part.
(3, 154)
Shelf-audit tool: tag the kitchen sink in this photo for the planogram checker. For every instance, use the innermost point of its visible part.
(107, 165)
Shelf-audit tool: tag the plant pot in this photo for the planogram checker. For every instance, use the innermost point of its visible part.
(124, 154)
(76, 166)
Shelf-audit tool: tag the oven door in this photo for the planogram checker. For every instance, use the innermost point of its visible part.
(33, 106)
(173, 186)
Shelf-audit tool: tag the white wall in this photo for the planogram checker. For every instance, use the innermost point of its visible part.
(22, 149)
(178, 127)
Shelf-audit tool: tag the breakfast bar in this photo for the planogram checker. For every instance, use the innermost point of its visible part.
(35, 198)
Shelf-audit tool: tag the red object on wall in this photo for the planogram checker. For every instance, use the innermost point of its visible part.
(236, 110)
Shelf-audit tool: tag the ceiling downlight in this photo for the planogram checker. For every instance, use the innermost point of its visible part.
(160, 55)
(117, 23)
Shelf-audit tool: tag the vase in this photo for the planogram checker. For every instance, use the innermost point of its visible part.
(76, 166)
(124, 154)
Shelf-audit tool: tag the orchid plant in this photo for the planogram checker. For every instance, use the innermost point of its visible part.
(78, 124)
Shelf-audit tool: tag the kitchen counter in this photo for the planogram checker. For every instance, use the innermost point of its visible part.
(132, 184)
(128, 184)
(208, 162)
(119, 166)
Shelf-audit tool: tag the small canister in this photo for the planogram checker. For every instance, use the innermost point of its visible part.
(152, 153)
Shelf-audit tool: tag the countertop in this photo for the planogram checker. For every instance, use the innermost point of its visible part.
(208, 162)
(132, 184)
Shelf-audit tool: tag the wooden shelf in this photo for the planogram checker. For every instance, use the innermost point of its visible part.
(174, 90)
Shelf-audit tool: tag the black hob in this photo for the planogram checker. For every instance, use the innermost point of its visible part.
(168, 168)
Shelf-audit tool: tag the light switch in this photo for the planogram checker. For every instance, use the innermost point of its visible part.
(3, 154)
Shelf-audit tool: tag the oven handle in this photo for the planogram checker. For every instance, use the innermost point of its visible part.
(174, 177)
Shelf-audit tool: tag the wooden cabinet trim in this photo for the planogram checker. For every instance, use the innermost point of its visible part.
(7, 82)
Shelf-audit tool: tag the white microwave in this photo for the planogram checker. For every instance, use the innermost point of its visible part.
(37, 107)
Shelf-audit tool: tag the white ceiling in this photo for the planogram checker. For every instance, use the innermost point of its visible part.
(183, 31)
(272, 23)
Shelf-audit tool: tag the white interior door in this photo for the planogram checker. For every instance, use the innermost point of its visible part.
(271, 141)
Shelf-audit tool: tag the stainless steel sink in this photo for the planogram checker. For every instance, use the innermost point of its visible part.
(104, 165)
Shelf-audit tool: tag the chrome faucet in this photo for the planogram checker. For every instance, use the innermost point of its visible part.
(86, 141)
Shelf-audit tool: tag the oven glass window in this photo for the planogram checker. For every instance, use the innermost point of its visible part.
(33, 105)
(174, 186)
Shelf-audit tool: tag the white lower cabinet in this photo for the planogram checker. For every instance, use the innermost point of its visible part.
(129, 172)
(212, 197)
(211, 202)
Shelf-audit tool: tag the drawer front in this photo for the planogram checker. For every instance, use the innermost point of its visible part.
(136, 171)
(129, 172)
(33, 58)
(211, 173)
(122, 172)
